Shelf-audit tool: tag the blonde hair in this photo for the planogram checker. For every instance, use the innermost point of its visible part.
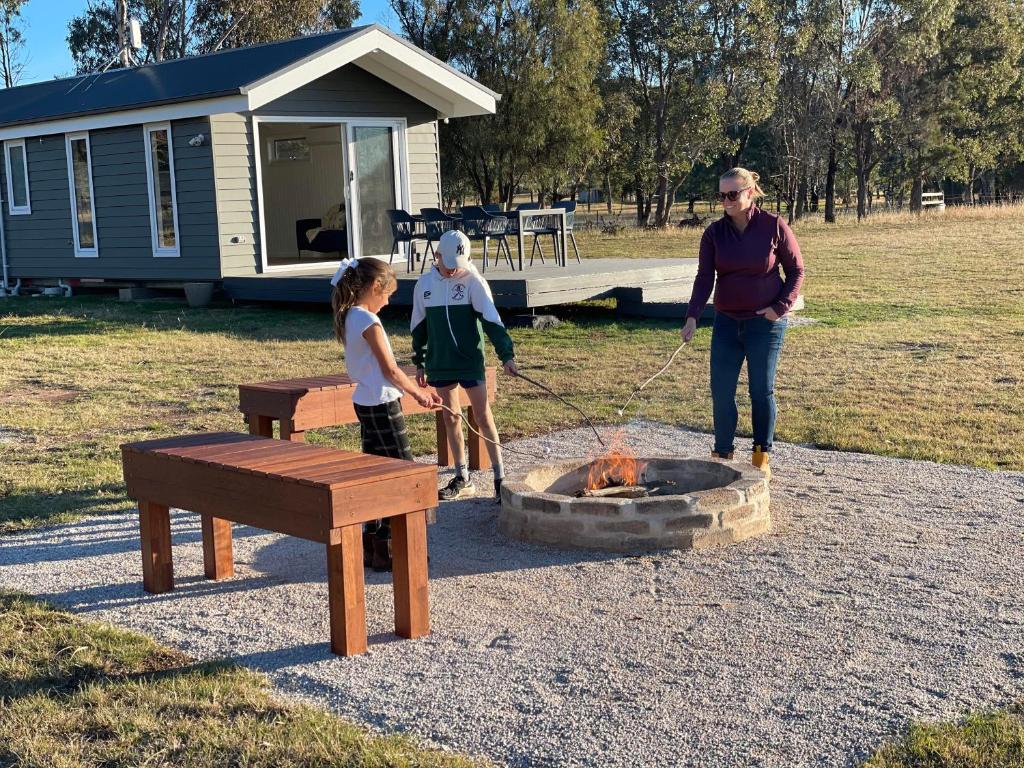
(748, 178)
(354, 282)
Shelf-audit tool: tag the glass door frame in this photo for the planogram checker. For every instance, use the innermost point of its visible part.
(345, 124)
(400, 173)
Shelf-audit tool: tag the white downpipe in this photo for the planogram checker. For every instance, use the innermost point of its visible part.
(3, 254)
(65, 288)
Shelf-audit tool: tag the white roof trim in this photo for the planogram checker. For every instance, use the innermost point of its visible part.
(380, 53)
(177, 111)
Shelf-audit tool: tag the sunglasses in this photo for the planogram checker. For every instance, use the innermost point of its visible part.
(733, 195)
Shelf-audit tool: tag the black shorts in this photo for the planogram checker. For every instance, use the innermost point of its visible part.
(382, 430)
(464, 383)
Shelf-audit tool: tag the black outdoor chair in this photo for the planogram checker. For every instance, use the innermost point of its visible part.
(483, 226)
(494, 208)
(436, 223)
(570, 217)
(540, 226)
(403, 230)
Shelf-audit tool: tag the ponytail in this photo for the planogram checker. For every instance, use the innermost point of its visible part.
(749, 179)
(355, 280)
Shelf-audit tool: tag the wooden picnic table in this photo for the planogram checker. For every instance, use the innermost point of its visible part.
(320, 494)
(299, 405)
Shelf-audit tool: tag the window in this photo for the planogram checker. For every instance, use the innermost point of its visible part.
(291, 149)
(83, 206)
(163, 203)
(18, 198)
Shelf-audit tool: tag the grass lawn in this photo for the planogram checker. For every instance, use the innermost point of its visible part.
(916, 353)
(75, 693)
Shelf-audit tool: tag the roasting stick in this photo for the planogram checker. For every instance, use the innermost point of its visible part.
(640, 389)
(576, 408)
(482, 437)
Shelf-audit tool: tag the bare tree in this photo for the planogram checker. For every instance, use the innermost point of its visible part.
(12, 42)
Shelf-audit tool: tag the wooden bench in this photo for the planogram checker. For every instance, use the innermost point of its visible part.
(326, 401)
(314, 493)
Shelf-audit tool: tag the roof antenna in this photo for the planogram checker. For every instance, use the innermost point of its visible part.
(133, 43)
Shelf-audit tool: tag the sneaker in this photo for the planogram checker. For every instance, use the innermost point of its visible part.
(456, 489)
(497, 489)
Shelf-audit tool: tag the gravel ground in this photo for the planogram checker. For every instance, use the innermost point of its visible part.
(888, 590)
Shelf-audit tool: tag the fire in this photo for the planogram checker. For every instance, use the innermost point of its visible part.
(617, 466)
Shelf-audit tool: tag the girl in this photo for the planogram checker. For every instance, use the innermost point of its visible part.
(361, 289)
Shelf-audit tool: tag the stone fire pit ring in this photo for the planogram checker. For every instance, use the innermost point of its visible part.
(719, 502)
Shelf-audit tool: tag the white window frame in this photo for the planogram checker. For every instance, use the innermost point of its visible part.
(404, 191)
(12, 209)
(158, 250)
(80, 252)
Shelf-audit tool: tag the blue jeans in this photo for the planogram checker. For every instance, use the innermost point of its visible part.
(759, 341)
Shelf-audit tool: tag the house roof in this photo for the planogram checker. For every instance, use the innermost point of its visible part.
(238, 79)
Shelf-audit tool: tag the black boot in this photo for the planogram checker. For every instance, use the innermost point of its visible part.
(381, 561)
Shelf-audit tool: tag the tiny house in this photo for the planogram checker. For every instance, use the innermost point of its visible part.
(277, 157)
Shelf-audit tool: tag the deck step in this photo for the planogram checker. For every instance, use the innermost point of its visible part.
(672, 310)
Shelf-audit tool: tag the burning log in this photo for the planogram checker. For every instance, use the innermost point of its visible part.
(614, 491)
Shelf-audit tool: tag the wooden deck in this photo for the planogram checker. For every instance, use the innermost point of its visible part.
(537, 286)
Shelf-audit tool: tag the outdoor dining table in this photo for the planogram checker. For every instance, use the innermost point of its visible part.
(525, 215)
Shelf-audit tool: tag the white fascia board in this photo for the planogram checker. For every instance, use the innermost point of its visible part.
(421, 75)
(179, 111)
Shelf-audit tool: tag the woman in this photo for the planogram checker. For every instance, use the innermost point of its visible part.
(742, 252)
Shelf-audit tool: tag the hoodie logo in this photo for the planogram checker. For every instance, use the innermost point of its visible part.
(458, 292)
(426, 294)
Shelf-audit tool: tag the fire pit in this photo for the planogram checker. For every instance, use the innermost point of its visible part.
(624, 504)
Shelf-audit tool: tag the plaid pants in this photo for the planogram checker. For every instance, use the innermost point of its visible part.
(382, 433)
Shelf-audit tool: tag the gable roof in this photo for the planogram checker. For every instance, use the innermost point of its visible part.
(240, 79)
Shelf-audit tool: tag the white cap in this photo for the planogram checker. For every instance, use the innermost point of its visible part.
(454, 250)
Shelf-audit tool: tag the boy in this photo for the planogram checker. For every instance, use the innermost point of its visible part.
(452, 310)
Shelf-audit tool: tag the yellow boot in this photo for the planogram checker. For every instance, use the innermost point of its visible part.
(759, 459)
(717, 455)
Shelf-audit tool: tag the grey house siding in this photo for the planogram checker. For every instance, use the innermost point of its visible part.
(41, 245)
(354, 92)
(347, 92)
(236, 211)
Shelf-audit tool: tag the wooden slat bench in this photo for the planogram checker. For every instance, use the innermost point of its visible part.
(326, 401)
(320, 494)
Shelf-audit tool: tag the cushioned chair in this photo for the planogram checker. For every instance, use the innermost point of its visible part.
(332, 236)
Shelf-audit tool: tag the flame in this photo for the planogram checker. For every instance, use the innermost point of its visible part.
(617, 466)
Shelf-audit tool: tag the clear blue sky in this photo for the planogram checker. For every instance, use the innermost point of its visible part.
(46, 31)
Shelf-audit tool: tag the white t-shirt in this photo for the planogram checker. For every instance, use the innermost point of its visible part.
(371, 386)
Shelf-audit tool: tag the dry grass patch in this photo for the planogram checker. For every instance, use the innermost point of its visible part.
(75, 693)
(916, 353)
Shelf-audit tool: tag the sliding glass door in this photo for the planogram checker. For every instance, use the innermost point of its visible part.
(374, 158)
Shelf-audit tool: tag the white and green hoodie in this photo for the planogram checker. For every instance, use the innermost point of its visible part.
(449, 318)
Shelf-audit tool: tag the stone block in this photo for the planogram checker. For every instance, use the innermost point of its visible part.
(717, 537)
(542, 502)
(742, 512)
(600, 507)
(750, 528)
(666, 505)
(717, 499)
(689, 522)
(554, 530)
(510, 499)
(624, 526)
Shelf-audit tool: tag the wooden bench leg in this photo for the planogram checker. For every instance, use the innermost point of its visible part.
(218, 561)
(288, 432)
(479, 458)
(263, 426)
(346, 591)
(155, 532)
(409, 560)
(444, 455)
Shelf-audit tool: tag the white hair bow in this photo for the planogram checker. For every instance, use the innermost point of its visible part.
(345, 264)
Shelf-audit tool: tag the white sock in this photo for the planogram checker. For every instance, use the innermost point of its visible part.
(499, 471)
(462, 471)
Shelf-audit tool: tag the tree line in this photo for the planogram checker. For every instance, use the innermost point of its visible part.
(831, 101)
